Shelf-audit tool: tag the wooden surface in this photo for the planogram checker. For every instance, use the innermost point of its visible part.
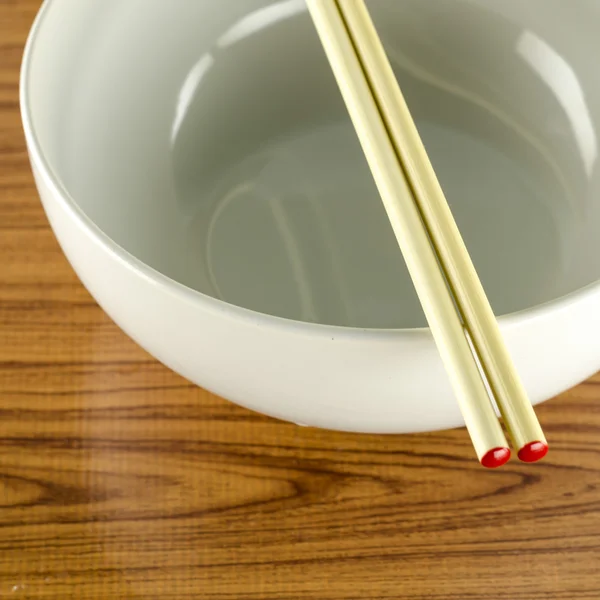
(118, 479)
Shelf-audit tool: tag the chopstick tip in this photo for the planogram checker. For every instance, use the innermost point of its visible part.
(533, 451)
(496, 457)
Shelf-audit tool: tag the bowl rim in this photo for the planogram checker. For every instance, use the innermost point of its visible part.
(190, 295)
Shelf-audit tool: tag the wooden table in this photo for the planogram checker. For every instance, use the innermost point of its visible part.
(118, 479)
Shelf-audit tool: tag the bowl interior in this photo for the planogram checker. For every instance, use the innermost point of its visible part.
(210, 141)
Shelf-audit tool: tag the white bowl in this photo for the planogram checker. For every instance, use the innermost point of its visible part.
(199, 170)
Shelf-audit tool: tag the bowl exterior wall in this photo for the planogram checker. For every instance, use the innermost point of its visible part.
(353, 380)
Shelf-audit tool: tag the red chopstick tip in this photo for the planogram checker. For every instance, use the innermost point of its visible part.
(533, 451)
(495, 457)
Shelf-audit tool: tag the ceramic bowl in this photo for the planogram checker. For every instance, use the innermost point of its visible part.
(200, 172)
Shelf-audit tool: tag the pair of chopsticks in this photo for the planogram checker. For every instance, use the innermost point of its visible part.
(458, 312)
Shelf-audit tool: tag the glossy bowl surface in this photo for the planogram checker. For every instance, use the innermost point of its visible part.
(211, 194)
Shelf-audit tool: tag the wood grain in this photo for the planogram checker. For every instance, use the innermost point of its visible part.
(118, 479)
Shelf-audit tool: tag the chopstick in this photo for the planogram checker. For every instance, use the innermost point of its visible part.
(510, 395)
(480, 418)
(457, 310)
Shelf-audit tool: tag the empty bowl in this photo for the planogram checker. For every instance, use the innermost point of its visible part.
(199, 169)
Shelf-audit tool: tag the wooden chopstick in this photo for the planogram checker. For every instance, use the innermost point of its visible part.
(422, 261)
(510, 395)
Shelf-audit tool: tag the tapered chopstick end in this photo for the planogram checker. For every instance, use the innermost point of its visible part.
(496, 457)
(533, 451)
